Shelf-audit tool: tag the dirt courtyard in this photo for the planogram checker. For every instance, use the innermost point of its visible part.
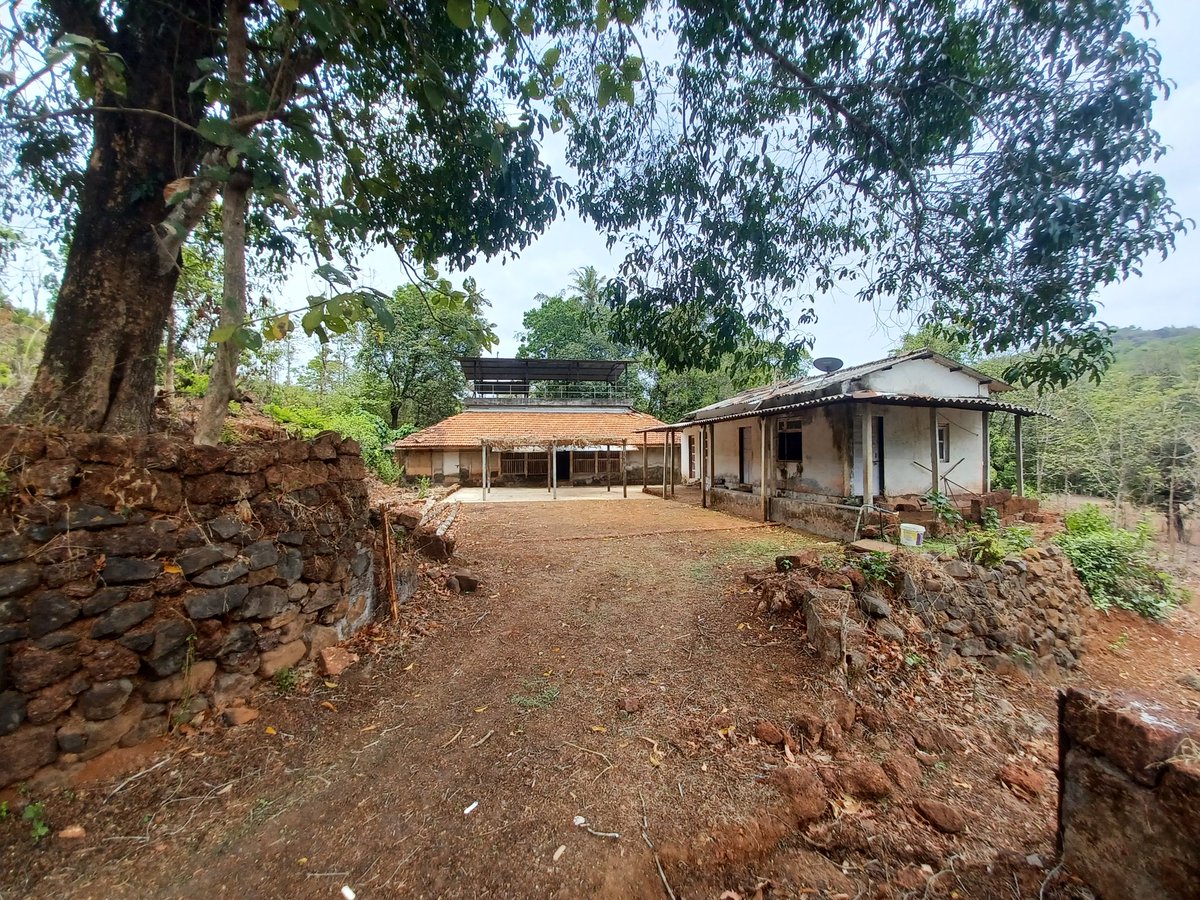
(611, 667)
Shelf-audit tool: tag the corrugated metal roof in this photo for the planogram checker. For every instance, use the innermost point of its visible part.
(488, 368)
(515, 427)
(784, 392)
(984, 404)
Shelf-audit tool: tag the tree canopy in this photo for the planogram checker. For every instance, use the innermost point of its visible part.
(989, 160)
(410, 372)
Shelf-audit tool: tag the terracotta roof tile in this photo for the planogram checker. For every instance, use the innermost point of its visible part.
(534, 428)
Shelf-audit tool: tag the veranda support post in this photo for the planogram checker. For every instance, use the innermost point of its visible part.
(624, 468)
(483, 481)
(1020, 456)
(608, 467)
(666, 434)
(703, 454)
(933, 448)
(987, 453)
(672, 463)
(764, 499)
(868, 470)
(645, 461)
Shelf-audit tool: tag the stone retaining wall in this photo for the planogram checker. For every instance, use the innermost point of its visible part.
(1025, 614)
(1129, 816)
(1026, 611)
(145, 582)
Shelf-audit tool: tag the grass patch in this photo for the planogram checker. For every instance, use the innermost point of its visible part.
(539, 694)
(750, 553)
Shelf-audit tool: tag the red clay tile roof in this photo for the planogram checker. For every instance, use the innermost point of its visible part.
(518, 427)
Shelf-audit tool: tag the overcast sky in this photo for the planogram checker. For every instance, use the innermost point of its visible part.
(1165, 295)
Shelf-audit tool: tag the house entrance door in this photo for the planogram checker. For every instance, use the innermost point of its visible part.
(692, 473)
(743, 455)
(877, 455)
(562, 466)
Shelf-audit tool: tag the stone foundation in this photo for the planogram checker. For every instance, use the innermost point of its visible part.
(1129, 816)
(145, 582)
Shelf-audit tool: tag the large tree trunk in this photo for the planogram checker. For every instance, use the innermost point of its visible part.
(98, 368)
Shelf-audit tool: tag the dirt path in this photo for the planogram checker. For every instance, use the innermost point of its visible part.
(593, 675)
(512, 704)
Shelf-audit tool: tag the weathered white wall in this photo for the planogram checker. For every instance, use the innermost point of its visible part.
(725, 447)
(926, 377)
(826, 436)
(906, 443)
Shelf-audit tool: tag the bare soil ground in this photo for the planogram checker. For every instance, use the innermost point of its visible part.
(611, 667)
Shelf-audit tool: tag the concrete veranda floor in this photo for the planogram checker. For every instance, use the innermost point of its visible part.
(540, 494)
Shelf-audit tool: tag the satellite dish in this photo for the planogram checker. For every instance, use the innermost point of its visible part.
(827, 364)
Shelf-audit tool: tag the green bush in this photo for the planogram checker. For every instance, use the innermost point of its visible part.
(1088, 519)
(875, 566)
(944, 508)
(371, 432)
(989, 547)
(189, 382)
(1115, 565)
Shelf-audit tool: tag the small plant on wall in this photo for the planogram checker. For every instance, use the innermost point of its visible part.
(944, 510)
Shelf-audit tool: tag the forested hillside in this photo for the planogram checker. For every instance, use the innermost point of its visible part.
(1132, 437)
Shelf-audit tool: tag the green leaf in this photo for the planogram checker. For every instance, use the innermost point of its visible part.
(289, 5)
(550, 58)
(311, 320)
(499, 19)
(461, 13)
(248, 339)
(218, 131)
(435, 95)
(525, 21)
(608, 87)
(221, 335)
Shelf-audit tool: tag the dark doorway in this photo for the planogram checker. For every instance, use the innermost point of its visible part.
(692, 473)
(743, 446)
(877, 452)
(562, 466)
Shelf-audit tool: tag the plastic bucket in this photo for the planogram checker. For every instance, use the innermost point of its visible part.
(912, 535)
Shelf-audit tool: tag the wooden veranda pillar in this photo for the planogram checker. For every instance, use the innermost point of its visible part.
(765, 498)
(933, 448)
(710, 446)
(987, 453)
(868, 464)
(666, 434)
(483, 473)
(1020, 456)
(624, 468)
(672, 464)
(645, 460)
(608, 467)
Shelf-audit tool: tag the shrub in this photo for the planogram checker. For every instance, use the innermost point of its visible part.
(1088, 519)
(943, 507)
(989, 547)
(875, 566)
(1115, 565)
